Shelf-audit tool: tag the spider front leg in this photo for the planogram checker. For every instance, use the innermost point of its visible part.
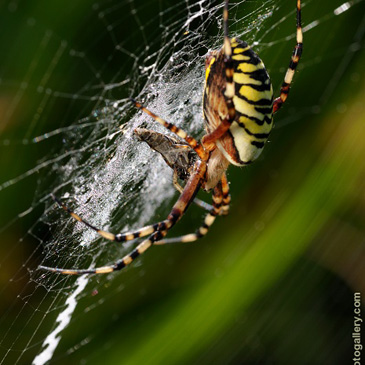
(297, 53)
(200, 203)
(191, 188)
(193, 143)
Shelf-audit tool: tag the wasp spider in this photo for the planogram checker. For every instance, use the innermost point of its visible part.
(238, 108)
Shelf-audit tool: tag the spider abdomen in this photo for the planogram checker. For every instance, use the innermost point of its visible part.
(253, 101)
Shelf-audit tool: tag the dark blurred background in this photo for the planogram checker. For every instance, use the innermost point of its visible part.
(272, 283)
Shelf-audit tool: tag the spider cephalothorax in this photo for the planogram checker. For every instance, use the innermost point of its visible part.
(238, 106)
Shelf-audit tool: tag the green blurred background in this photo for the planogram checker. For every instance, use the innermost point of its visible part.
(272, 283)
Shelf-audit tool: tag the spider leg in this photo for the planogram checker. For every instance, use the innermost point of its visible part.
(200, 203)
(297, 52)
(179, 208)
(119, 237)
(208, 140)
(175, 182)
(226, 197)
(221, 201)
(229, 92)
(193, 143)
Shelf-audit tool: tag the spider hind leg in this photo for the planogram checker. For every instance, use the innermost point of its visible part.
(221, 200)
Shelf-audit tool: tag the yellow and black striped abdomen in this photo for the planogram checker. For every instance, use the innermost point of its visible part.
(252, 101)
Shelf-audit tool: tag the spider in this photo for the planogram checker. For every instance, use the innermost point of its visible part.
(238, 108)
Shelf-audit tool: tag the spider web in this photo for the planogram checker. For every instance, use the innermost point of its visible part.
(67, 128)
